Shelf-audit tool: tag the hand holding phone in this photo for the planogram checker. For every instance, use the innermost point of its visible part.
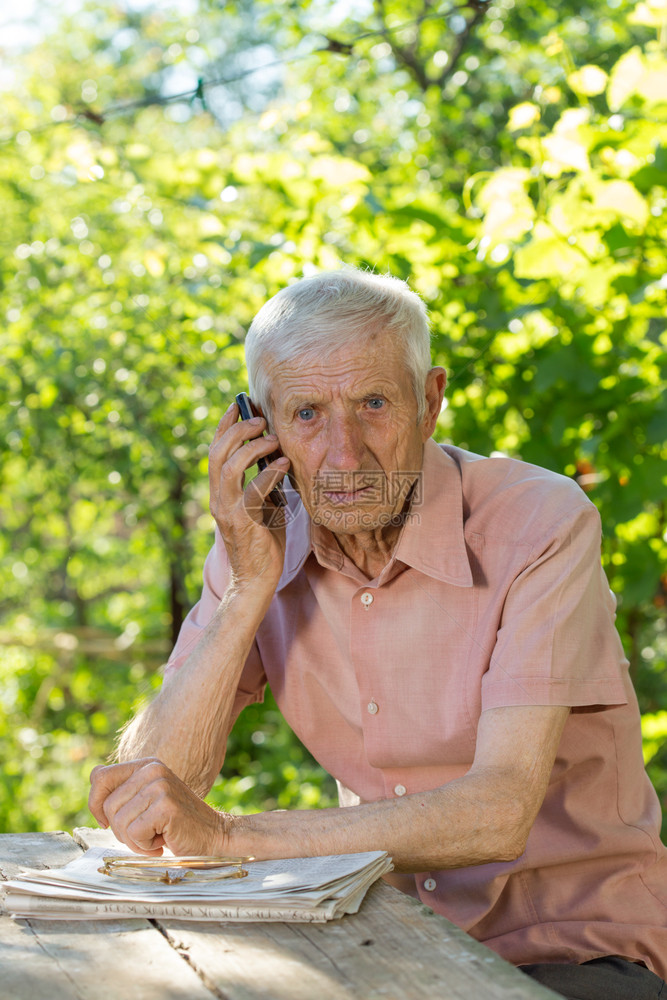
(247, 411)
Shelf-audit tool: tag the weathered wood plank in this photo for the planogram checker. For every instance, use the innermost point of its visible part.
(35, 850)
(394, 948)
(89, 836)
(110, 960)
(63, 960)
(84, 960)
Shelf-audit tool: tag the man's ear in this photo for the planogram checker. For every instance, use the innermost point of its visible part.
(434, 390)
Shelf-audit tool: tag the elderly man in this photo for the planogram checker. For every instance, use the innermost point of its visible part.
(437, 629)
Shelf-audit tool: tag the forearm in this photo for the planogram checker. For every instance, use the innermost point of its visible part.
(473, 820)
(485, 815)
(188, 723)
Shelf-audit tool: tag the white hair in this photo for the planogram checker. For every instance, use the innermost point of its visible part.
(317, 316)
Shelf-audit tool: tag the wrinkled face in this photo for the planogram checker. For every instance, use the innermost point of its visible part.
(349, 427)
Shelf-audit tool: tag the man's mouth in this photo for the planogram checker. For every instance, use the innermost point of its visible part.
(341, 498)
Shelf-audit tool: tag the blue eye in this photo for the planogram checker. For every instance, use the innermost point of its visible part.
(376, 403)
(307, 413)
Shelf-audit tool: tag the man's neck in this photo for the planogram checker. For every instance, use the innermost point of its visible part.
(370, 551)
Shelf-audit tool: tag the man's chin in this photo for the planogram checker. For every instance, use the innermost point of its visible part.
(349, 520)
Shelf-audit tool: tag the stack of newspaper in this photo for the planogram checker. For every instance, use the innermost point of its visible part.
(295, 889)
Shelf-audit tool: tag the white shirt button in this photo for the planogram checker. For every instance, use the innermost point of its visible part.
(430, 884)
(367, 600)
(372, 708)
(400, 790)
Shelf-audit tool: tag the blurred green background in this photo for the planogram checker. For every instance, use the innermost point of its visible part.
(165, 169)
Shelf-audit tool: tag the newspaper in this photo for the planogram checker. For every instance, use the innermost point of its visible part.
(298, 889)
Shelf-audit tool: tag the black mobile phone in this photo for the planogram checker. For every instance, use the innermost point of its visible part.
(247, 410)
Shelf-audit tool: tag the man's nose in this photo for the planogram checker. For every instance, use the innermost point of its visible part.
(345, 446)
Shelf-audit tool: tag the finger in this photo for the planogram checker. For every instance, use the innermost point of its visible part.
(135, 797)
(256, 492)
(161, 812)
(150, 770)
(228, 419)
(241, 428)
(229, 439)
(105, 780)
(228, 485)
(139, 825)
(231, 433)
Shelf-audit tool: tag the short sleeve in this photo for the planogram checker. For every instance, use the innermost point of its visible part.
(216, 578)
(557, 643)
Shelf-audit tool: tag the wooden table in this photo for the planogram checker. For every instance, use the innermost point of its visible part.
(395, 948)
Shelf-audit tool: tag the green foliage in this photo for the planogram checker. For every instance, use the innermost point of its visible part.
(59, 714)
(510, 161)
(267, 768)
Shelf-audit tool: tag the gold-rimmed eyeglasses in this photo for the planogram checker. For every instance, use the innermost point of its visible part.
(171, 871)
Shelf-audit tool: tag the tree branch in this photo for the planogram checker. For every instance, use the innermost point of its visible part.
(407, 56)
(479, 8)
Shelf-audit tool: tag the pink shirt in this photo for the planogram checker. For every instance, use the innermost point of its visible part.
(495, 596)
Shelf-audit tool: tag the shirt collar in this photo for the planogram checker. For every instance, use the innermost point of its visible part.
(298, 536)
(432, 540)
